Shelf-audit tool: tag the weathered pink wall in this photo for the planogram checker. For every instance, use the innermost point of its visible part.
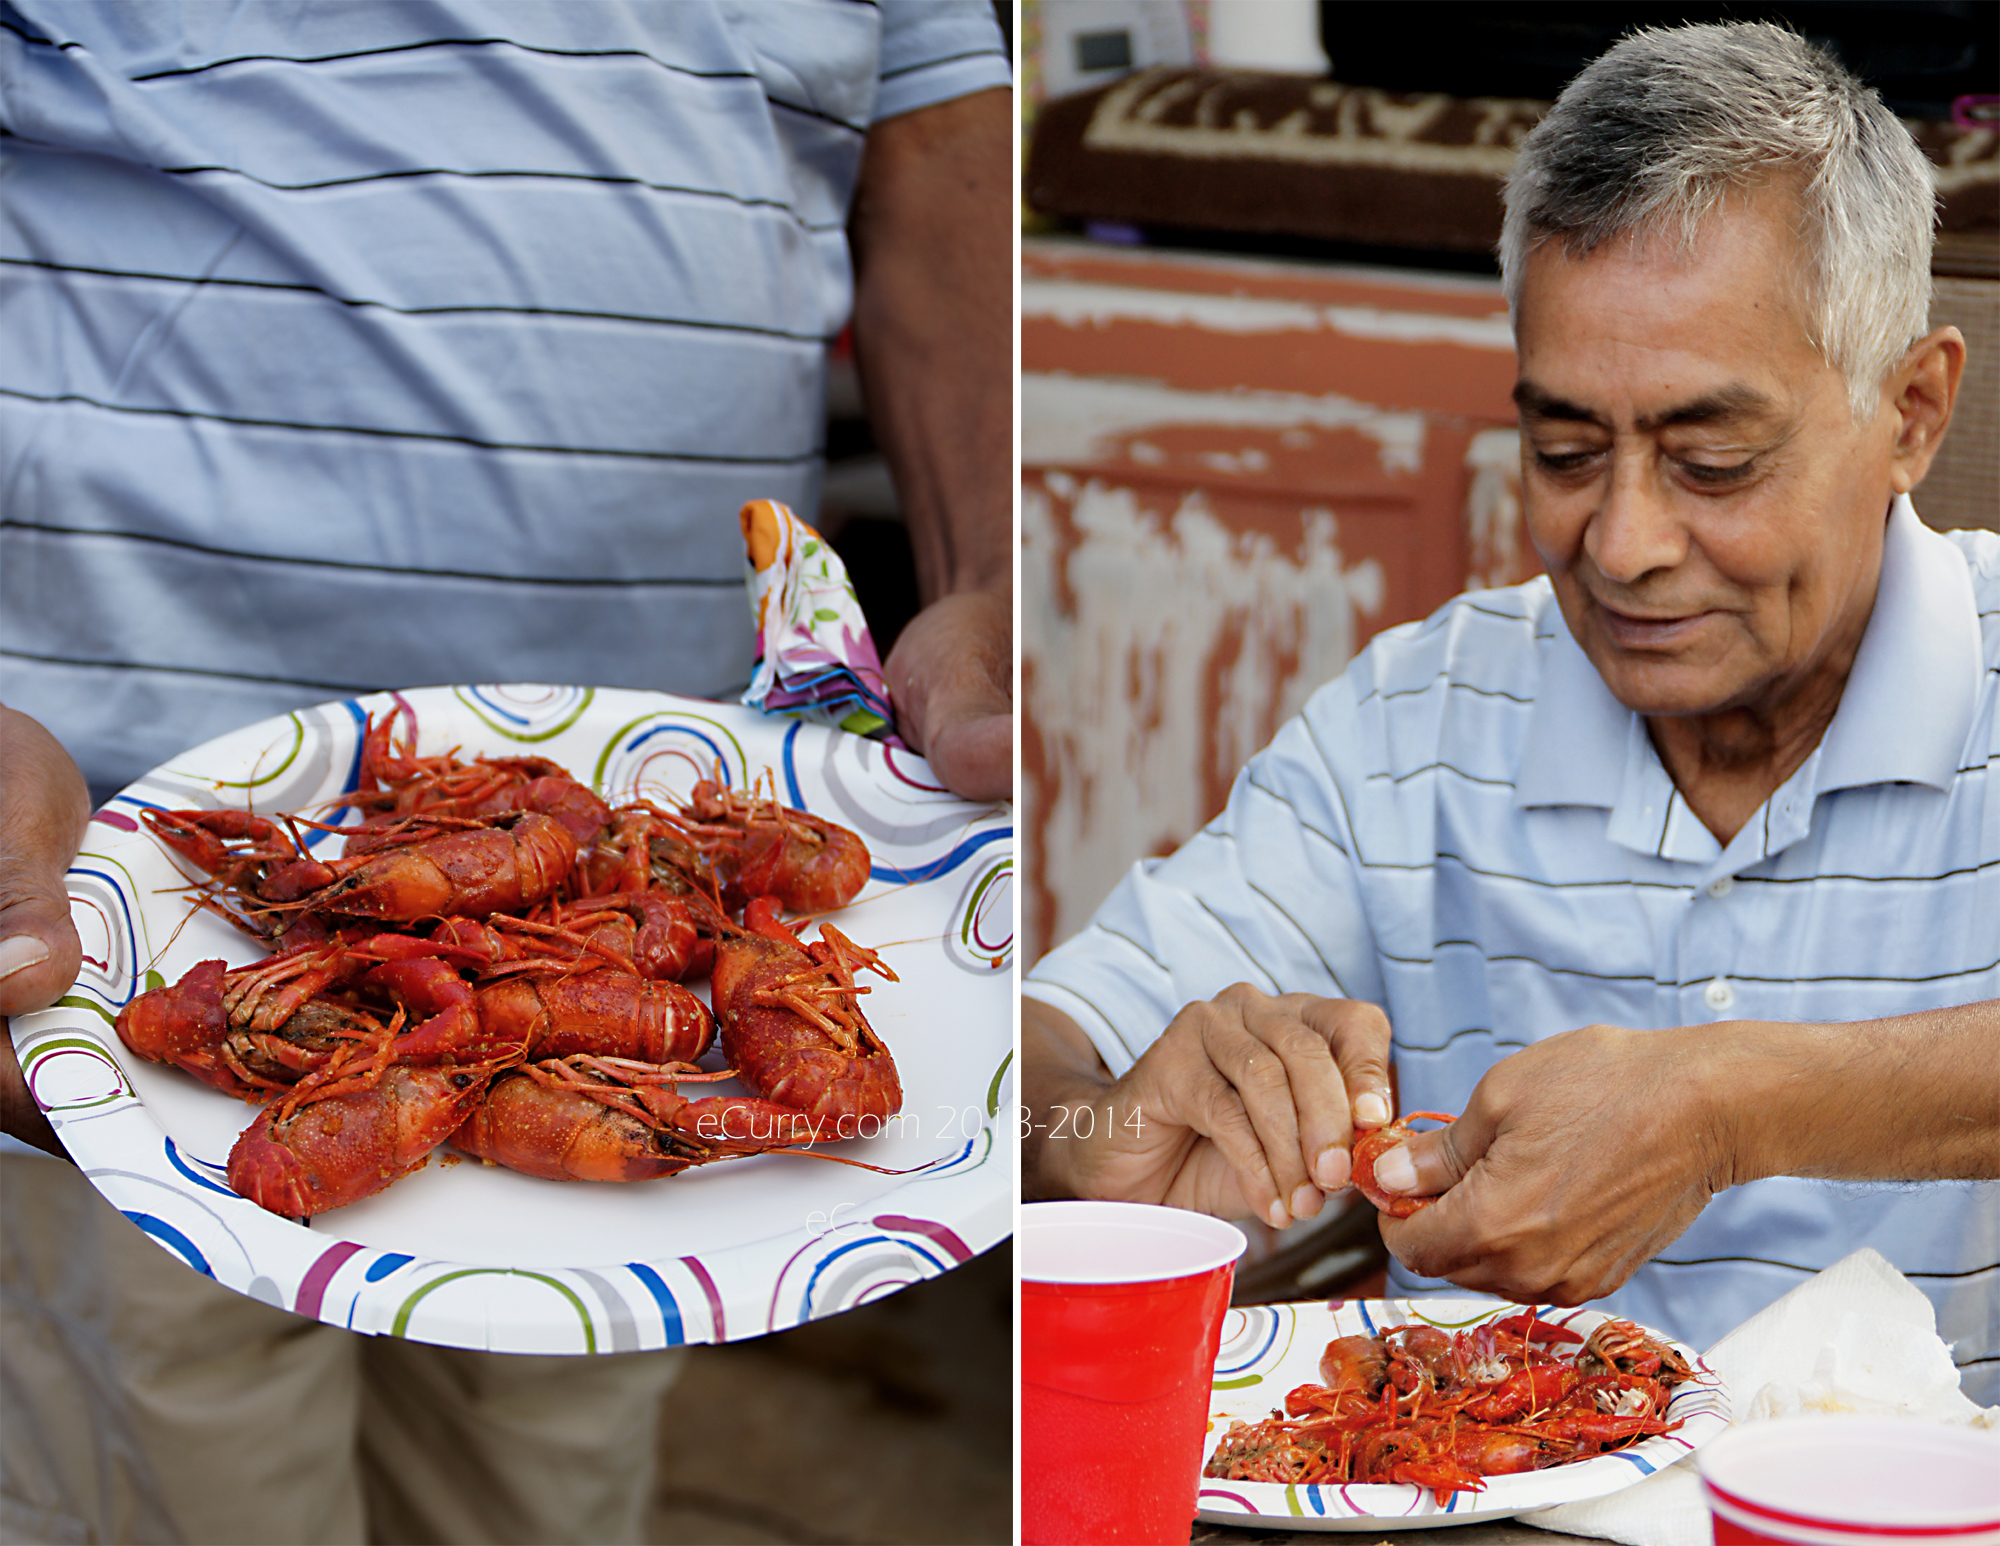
(1234, 474)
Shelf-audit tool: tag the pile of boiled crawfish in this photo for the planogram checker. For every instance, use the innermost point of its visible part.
(1417, 1405)
(497, 960)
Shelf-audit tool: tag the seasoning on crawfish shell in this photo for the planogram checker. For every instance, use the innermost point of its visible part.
(815, 657)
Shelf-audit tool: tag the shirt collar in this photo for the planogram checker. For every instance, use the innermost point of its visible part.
(1909, 701)
(1903, 716)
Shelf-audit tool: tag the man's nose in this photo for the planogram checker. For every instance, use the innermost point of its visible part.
(1637, 529)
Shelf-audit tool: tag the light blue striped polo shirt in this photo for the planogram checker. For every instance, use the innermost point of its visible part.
(378, 344)
(1469, 830)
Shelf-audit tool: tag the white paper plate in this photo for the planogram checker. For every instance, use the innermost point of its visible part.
(475, 1256)
(1269, 1350)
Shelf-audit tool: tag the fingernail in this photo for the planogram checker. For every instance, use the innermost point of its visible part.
(1395, 1173)
(1305, 1201)
(1333, 1168)
(1371, 1110)
(21, 952)
(1276, 1216)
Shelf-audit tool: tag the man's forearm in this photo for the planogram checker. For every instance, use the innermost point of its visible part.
(933, 327)
(1913, 1098)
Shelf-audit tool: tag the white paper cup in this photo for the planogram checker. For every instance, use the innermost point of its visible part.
(1842, 1481)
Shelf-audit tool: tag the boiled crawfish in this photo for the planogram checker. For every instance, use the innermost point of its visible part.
(438, 866)
(601, 1011)
(303, 1156)
(790, 1022)
(1444, 1410)
(395, 784)
(459, 944)
(650, 855)
(1369, 1149)
(249, 1031)
(643, 935)
(585, 1118)
(761, 848)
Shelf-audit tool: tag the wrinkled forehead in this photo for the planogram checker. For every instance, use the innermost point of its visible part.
(1729, 304)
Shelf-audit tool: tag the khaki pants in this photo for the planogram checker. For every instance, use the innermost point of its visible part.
(141, 1402)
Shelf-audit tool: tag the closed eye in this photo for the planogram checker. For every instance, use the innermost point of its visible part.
(1717, 477)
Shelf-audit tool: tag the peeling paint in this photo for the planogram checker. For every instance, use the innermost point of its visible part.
(1081, 303)
(1234, 474)
(1069, 419)
(1165, 649)
(1401, 289)
(1497, 550)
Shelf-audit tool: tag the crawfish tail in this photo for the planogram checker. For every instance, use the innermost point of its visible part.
(510, 865)
(602, 1011)
(590, 1119)
(346, 1147)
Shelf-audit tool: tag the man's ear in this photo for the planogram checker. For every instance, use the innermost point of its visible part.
(1924, 387)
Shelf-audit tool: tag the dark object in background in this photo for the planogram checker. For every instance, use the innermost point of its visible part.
(1279, 156)
(1104, 50)
(891, 1423)
(1920, 54)
(1341, 1256)
(1401, 158)
(859, 513)
(879, 562)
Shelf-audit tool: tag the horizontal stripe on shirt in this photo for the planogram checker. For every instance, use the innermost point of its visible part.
(652, 320)
(410, 506)
(645, 254)
(78, 400)
(731, 582)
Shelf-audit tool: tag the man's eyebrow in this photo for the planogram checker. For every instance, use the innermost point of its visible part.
(1730, 402)
(1733, 401)
(1535, 403)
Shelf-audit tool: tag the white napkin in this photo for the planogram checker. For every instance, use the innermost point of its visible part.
(1858, 1337)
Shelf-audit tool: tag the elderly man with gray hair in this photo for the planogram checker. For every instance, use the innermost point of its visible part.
(1676, 872)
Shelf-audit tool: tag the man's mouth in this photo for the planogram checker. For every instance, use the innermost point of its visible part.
(1648, 631)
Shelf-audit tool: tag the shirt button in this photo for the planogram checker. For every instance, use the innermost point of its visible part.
(1719, 995)
(1722, 887)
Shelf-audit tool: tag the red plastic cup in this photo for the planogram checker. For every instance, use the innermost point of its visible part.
(1121, 1313)
(1845, 1481)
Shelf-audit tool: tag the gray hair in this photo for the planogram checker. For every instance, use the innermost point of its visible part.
(1652, 136)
